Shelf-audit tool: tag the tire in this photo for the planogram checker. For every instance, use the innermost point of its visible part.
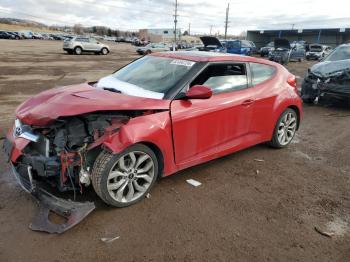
(78, 50)
(104, 51)
(115, 191)
(148, 52)
(285, 127)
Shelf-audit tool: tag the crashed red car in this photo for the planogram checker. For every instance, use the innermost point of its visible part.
(159, 114)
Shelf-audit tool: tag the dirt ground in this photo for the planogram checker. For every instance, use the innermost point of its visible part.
(237, 214)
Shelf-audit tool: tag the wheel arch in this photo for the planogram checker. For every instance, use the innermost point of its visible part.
(158, 154)
(104, 47)
(153, 131)
(297, 110)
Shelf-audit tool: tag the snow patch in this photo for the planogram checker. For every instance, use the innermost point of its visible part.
(127, 88)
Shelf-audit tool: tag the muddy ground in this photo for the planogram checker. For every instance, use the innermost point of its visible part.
(237, 214)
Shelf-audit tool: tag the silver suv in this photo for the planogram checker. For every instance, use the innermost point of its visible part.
(78, 44)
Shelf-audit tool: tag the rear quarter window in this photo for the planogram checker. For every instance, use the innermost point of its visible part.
(261, 72)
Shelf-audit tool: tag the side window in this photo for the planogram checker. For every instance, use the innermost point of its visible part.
(93, 40)
(82, 40)
(261, 72)
(223, 78)
(235, 44)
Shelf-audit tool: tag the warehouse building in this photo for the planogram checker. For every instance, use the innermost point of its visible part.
(330, 36)
(165, 35)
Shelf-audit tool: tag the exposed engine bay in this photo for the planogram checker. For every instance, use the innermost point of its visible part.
(65, 151)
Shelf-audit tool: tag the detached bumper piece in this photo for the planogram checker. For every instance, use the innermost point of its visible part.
(73, 212)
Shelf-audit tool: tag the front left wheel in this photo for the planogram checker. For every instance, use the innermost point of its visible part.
(124, 179)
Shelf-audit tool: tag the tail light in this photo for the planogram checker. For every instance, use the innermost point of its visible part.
(292, 81)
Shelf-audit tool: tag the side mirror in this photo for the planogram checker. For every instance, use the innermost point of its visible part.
(98, 43)
(199, 92)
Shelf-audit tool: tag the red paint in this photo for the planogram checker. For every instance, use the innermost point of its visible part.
(18, 145)
(189, 131)
(72, 100)
(199, 92)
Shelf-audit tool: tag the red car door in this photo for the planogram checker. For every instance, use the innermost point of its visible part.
(207, 128)
(266, 89)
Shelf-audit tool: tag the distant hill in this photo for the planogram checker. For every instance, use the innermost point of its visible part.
(23, 22)
(15, 24)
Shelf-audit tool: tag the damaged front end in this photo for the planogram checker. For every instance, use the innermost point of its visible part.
(58, 158)
(327, 82)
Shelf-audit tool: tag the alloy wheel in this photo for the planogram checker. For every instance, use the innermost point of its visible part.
(287, 128)
(130, 177)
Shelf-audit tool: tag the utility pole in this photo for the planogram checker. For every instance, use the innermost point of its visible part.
(175, 23)
(293, 26)
(211, 27)
(189, 28)
(226, 20)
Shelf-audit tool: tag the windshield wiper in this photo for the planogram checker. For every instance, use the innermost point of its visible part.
(112, 90)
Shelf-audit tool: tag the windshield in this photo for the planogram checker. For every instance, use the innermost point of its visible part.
(150, 76)
(340, 53)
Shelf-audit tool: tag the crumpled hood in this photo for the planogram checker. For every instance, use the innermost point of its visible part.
(49, 105)
(328, 68)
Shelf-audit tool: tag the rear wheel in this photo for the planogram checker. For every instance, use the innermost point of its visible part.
(123, 179)
(78, 50)
(148, 52)
(285, 129)
(104, 51)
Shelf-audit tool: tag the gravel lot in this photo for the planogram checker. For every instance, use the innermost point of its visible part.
(237, 214)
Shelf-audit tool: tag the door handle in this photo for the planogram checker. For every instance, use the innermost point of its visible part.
(247, 102)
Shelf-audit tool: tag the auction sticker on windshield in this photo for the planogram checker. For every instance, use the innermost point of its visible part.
(182, 62)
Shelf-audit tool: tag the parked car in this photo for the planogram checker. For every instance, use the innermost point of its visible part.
(27, 34)
(79, 44)
(152, 48)
(160, 114)
(36, 35)
(14, 35)
(5, 35)
(211, 44)
(46, 36)
(284, 52)
(240, 47)
(317, 51)
(330, 78)
(265, 50)
(56, 37)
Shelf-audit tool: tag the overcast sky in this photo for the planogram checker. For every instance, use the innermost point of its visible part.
(202, 14)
